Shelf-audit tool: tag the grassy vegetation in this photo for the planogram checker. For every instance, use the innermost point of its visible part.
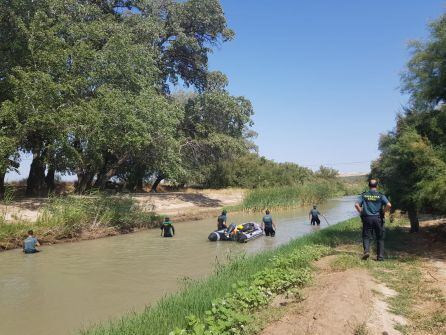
(361, 329)
(288, 196)
(294, 195)
(69, 217)
(352, 185)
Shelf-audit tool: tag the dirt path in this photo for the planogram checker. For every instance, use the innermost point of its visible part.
(339, 303)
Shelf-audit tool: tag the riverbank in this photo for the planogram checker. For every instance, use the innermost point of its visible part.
(235, 299)
(74, 218)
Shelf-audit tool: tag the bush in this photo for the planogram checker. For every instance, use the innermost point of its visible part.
(69, 217)
(73, 214)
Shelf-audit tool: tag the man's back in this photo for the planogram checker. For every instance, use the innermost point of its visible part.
(30, 243)
(268, 220)
(314, 213)
(372, 202)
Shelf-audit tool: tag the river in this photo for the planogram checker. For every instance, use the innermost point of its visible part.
(71, 286)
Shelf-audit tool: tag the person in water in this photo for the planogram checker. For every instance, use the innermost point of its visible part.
(221, 220)
(30, 243)
(268, 225)
(314, 216)
(167, 229)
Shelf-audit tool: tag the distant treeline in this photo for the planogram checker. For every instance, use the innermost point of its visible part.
(252, 171)
(91, 88)
(412, 164)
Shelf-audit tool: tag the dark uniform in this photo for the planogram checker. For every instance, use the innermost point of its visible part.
(222, 222)
(372, 215)
(268, 222)
(315, 217)
(167, 229)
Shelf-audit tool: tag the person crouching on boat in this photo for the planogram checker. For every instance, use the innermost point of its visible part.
(221, 221)
(268, 225)
(167, 229)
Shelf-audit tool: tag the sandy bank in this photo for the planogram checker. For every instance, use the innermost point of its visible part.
(187, 205)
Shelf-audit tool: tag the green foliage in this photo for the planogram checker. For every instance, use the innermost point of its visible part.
(289, 196)
(69, 217)
(74, 214)
(84, 87)
(251, 171)
(230, 314)
(412, 164)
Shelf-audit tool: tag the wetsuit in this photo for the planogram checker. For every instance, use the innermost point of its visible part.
(268, 222)
(222, 222)
(167, 229)
(372, 215)
(315, 217)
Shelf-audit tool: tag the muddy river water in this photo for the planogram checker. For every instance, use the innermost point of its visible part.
(71, 286)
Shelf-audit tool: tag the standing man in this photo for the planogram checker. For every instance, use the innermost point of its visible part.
(221, 220)
(313, 216)
(372, 206)
(268, 225)
(30, 243)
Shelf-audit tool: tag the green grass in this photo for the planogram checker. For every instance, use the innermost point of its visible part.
(197, 298)
(289, 196)
(361, 329)
(68, 217)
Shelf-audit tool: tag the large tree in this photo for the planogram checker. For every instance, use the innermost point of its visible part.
(90, 93)
(412, 164)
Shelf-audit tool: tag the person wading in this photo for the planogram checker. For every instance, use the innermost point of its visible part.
(372, 206)
(30, 243)
(268, 225)
(313, 216)
(167, 229)
(221, 220)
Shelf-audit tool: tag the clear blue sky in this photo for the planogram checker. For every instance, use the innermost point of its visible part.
(323, 76)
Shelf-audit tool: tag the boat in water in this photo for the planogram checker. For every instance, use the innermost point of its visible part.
(240, 233)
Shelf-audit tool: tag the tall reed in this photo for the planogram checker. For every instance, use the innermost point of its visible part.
(289, 196)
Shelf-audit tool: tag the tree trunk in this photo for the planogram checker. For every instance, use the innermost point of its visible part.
(413, 218)
(111, 172)
(136, 178)
(84, 181)
(156, 183)
(100, 180)
(2, 184)
(35, 185)
(139, 187)
(49, 179)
